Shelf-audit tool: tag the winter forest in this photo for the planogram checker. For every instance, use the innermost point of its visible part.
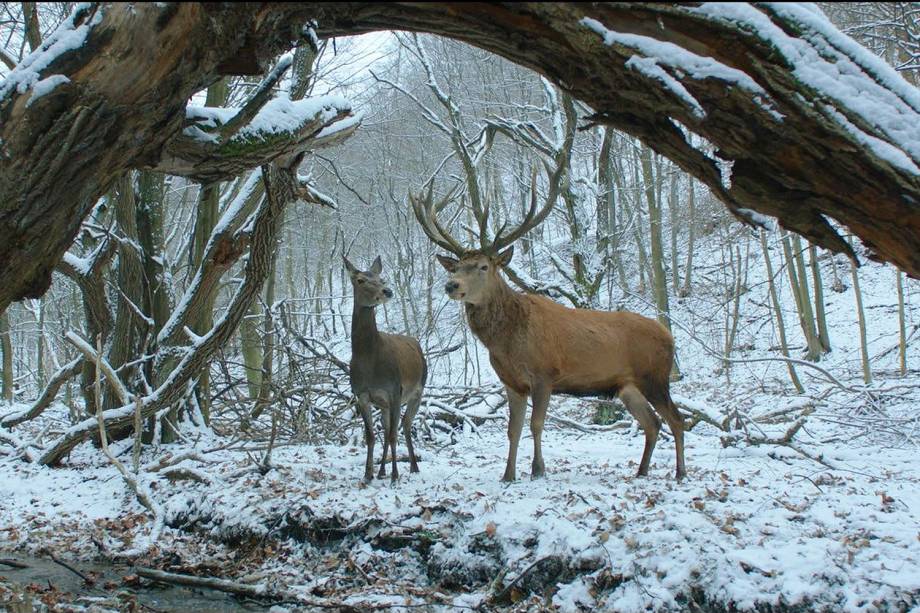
(208, 213)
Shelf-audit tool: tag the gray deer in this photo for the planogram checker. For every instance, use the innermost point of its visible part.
(387, 370)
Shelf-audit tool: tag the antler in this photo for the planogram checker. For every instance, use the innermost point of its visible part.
(426, 212)
(557, 175)
(533, 218)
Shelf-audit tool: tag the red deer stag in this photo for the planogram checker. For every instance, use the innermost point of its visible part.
(386, 370)
(538, 347)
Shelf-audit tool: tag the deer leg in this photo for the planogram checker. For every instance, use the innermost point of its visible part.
(676, 425)
(365, 406)
(393, 436)
(517, 405)
(408, 416)
(540, 396)
(638, 406)
(385, 420)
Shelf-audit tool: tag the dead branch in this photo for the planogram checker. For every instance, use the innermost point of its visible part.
(86, 580)
(65, 373)
(258, 99)
(259, 592)
(570, 423)
(213, 583)
(308, 344)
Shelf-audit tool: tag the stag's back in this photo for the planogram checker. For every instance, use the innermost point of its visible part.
(586, 352)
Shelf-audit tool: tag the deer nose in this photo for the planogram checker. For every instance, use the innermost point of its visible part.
(388, 293)
(451, 287)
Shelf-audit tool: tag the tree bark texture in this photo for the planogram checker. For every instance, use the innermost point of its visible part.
(124, 105)
(6, 348)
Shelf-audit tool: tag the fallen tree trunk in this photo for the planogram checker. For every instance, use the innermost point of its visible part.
(750, 80)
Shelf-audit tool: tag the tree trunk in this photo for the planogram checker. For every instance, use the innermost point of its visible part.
(778, 314)
(861, 316)
(659, 280)
(138, 64)
(902, 328)
(40, 347)
(691, 231)
(672, 210)
(802, 301)
(820, 318)
(205, 219)
(251, 347)
(131, 328)
(603, 208)
(33, 32)
(151, 192)
(6, 344)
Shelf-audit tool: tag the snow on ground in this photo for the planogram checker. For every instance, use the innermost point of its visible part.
(750, 526)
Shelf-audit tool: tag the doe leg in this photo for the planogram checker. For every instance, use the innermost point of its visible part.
(638, 406)
(517, 405)
(408, 416)
(392, 437)
(365, 406)
(385, 420)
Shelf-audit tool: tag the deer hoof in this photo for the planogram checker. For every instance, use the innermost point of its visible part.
(537, 469)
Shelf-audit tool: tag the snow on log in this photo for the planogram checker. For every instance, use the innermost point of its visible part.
(211, 148)
(813, 126)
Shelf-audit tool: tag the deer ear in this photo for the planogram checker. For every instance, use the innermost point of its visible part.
(504, 258)
(377, 266)
(449, 263)
(349, 266)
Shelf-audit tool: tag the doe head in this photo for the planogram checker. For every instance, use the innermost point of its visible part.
(370, 289)
(473, 276)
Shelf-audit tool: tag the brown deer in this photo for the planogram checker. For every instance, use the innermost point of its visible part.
(386, 370)
(538, 347)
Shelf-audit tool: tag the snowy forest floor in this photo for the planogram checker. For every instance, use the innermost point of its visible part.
(752, 527)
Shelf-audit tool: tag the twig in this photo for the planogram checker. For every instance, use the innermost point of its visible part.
(86, 579)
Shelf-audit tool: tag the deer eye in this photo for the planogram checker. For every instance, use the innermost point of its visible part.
(360, 280)
(484, 267)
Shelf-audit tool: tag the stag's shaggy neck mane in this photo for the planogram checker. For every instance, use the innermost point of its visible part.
(500, 317)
